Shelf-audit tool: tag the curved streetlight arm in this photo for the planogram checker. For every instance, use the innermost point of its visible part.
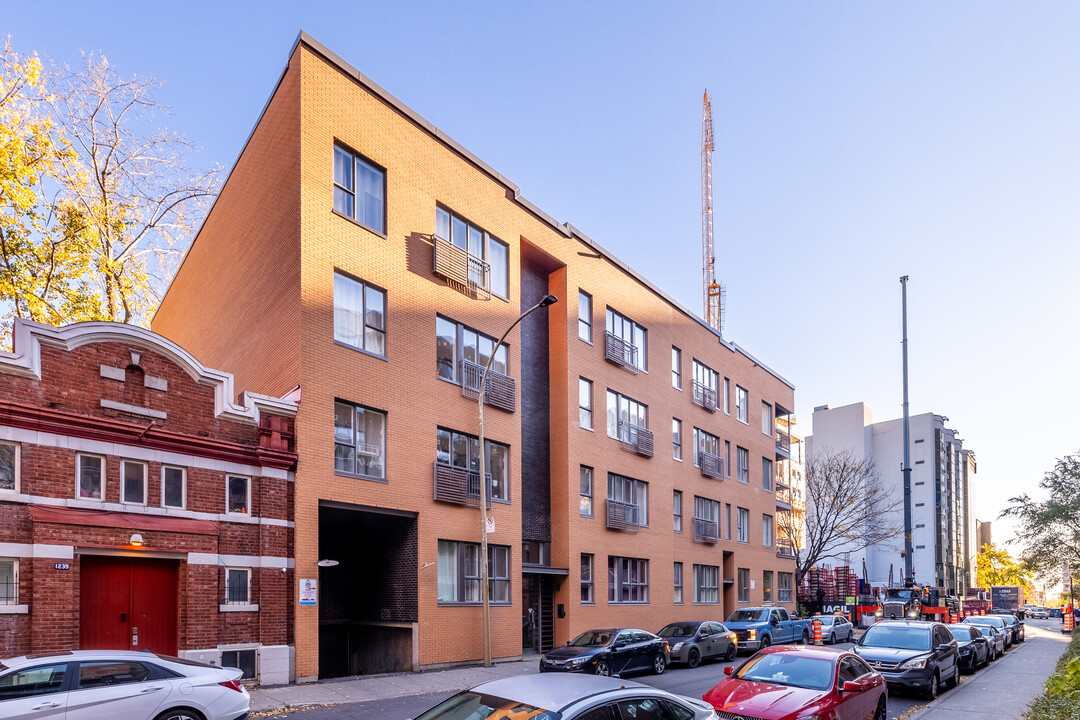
(484, 592)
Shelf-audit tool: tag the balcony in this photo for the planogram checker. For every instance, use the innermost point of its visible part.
(465, 271)
(711, 465)
(620, 352)
(785, 551)
(706, 531)
(636, 439)
(501, 389)
(704, 396)
(623, 515)
(783, 443)
(783, 498)
(458, 486)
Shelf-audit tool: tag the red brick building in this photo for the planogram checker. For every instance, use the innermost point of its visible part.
(142, 504)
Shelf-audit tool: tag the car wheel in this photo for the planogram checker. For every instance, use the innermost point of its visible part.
(659, 664)
(932, 691)
(179, 714)
(881, 713)
(602, 668)
(731, 652)
(765, 642)
(805, 640)
(956, 675)
(693, 658)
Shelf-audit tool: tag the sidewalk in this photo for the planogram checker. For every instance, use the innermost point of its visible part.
(382, 687)
(1003, 690)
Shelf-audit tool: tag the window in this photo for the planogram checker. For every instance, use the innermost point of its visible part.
(676, 510)
(459, 573)
(133, 488)
(676, 438)
(359, 315)
(238, 495)
(359, 441)
(237, 586)
(359, 190)
(90, 483)
(632, 492)
(585, 403)
(242, 659)
(586, 491)
(676, 367)
(479, 245)
(628, 580)
(766, 419)
(744, 465)
(584, 316)
(706, 584)
(623, 412)
(34, 681)
(9, 581)
(633, 336)
(767, 524)
(766, 586)
(727, 396)
(706, 509)
(705, 379)
(744, 525)
(766, 474)
(108, 673)
(743, 583)
(173, 486)
(704, 442)
(678, 583)
(456, 344)
(727, 458)
(463, 451)
(9, 466)
(587, 585)
(727, 521)
(742, 405)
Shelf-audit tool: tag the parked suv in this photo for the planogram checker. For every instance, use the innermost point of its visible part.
(1015, 625)
(912, 654)
(994, 621)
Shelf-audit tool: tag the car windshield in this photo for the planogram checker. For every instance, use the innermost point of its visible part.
(593, 638)
(983, 620)
(897, 637)
(825, 619)
(679, 630)
(788, 669)
(961, 633)
(747, 616)
(471, 705)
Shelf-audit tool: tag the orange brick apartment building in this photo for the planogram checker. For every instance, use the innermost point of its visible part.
(366, 257)
(142, 505)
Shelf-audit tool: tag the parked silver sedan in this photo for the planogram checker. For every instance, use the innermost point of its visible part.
(834, 628)
(697, 640)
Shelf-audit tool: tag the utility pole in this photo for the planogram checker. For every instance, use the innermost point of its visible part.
(909, 573)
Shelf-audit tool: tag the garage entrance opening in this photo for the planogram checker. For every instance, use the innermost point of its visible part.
(368, 601)
(128, 604)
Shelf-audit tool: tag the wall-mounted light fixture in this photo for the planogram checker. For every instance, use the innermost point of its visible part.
(136, 539)
(327, 563)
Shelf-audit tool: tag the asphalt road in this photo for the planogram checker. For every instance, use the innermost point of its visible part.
(684, 681)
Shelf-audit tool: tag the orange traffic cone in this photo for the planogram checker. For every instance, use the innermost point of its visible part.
(1068, 622)
(817, 633)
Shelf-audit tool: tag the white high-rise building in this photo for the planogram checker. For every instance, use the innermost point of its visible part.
(942, 492)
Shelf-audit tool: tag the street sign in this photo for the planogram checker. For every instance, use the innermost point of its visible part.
(490, 524)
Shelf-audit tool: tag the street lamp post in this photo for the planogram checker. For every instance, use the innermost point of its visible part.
(484, 591)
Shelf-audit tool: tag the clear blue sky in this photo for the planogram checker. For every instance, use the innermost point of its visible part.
(855, 143)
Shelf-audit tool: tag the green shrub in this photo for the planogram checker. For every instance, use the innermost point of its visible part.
(1061, 701)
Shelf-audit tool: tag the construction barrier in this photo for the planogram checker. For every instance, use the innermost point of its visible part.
(817, 633)
(1069, 622)
(952, 618)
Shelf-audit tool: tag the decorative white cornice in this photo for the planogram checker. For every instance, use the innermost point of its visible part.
(29, 336)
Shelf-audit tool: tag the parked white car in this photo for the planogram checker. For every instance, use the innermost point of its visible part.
(110, 685)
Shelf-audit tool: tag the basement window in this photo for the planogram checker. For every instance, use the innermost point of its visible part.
(244, 660)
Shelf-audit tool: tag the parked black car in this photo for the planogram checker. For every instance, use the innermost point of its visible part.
(609, 651)
(974, 649)
(994, 621)
(1015, 624)
(694, 641)
(912, 654)
(995, 637)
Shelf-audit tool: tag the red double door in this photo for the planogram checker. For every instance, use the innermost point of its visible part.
(128, 604)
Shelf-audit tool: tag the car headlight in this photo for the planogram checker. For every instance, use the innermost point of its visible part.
(732, 637)
(879, 613)
(915, 663)
(676, 647)
(577, 660)
(912, 614)
(753, 634)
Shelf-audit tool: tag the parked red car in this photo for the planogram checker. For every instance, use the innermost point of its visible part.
(791, 682)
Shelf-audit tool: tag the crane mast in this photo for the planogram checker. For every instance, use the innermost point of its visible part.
(712, 291)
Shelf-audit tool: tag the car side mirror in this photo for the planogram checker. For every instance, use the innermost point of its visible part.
(943, 647)
(850, 686)
(775, 621)
(704, 635)
(617, 644)
(729, 669)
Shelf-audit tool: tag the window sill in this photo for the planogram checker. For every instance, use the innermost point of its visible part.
(588, 517)
(357, 223)
(586, 428)
(703, 602)
(587, 342)
(370, 478)
(492, 603)
(631, 602)
(362, 351)
(14, 609)
(238, 608)
(237, 514)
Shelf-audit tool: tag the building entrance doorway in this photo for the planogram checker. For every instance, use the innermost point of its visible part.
(128, 603)
(537, 613)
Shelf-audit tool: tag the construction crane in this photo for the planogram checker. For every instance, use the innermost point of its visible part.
(712, 291)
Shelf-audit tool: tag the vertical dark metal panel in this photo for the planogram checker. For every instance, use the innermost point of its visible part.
(535, 410)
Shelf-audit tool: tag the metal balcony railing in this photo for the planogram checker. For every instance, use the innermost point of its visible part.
(461, 268)
(706, 531)
(704, 396)
(459, 486)
(620, 352)
(623, 515)
(785, 550)
(636, 438)
(783, 443)
(711, 465)
(783, 498)
(501, 389)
